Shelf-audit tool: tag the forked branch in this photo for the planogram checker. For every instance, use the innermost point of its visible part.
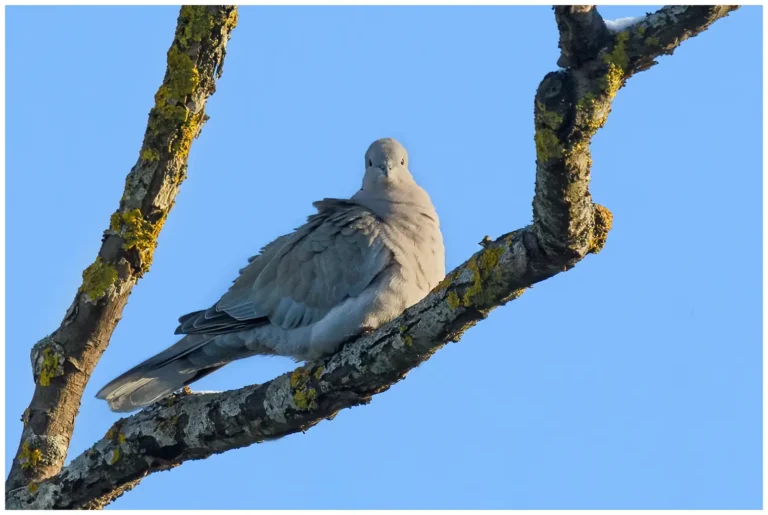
(570, 106)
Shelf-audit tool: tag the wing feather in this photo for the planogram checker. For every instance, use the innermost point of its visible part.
(299, 277)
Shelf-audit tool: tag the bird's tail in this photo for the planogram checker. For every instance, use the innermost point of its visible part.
(191, 358)
(140, 387)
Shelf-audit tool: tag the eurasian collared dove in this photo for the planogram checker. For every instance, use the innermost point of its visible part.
(352, 267)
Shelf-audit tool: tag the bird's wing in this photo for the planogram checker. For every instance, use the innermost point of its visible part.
(299, 277)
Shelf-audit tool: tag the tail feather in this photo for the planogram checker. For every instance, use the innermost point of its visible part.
(139, 387)
(191, 358)
(158, 376)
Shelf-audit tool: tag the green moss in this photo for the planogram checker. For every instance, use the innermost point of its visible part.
(453, 300)
(617, 61)
(29, 458)
(640, 30)
(447, 281)
(586, 102)
(408, 339)
(550, 119)
(490, 257)
(97, 278)
(477, 283)
(652, 42)
(150, 155)
(618, 56)
(50, 367)
(481, 268)
(547, 145)
(138, 233)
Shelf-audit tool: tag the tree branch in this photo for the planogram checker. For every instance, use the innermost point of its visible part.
(570, 106)
(63, 361)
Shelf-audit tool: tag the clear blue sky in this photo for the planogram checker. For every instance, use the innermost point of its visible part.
(632, 381)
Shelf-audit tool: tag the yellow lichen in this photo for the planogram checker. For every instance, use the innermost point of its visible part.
(49, 368)
(603, 224)
(97, 278)
(32, 488)
(29, 457)
(305, 399)
(184, 77)
(299, 377)
(188, 132)
(183, 81)
(138, 233)
(477, 283)
(453, 300)
(115, 456)
(447, 280)
(232, 19)
(318, 372)
(408, 339)
(515, 294)
(613, 80)
(481, 268)
(303, 396)
(198, 23)
(167, 106)
(121, 438)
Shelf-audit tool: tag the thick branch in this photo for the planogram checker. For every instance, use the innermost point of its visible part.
(582, 34)
(571, 105)
(62, 362)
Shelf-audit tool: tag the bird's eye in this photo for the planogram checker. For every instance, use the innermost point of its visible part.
(402, 161)
(370, 163)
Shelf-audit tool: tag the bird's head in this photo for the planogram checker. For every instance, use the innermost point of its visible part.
(386, 165)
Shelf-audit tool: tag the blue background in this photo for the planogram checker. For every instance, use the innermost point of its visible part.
(632, 381)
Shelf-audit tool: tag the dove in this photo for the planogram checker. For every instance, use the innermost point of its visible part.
(355, 265)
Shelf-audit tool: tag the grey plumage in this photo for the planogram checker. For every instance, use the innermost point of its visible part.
(357, 263)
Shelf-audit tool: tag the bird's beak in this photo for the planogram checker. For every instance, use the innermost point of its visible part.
(385, 168)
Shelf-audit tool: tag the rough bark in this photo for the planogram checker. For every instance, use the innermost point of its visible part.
(63, 361)
(570, 106)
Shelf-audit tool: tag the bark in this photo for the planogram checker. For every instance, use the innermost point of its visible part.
(63, 361)
(570, 106)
